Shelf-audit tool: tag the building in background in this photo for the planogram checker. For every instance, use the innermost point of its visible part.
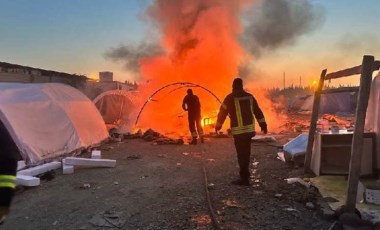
(92, 88)
(106, 83)
(25, 74)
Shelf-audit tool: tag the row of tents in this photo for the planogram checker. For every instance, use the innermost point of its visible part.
(51, 119)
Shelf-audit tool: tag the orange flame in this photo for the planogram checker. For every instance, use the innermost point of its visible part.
(200, 37)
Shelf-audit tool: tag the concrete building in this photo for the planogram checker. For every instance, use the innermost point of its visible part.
(25, 74)
(94, 88)
(106, 76)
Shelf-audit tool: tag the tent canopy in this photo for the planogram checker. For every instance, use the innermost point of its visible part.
(118, 109)
(48, 120)
(344, 102)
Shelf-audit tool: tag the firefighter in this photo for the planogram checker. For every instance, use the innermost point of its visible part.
(192, 105)
(242, 108)
(8, 167)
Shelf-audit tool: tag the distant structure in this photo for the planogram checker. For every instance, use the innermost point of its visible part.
(106, 76)
(25, 74)
(106, 83)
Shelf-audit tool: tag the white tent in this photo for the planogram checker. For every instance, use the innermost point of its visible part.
(372, 122)
(119, 109)
(48, 120)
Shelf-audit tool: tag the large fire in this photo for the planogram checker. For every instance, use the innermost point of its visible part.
(200, 39)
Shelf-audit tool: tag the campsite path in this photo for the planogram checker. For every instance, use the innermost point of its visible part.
(162, 187)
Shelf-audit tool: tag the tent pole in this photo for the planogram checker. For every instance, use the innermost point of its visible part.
(313, 121)
(357, 140)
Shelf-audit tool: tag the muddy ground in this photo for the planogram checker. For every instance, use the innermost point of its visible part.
(162, 187)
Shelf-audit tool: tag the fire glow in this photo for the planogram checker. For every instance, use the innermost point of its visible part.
(200, 38)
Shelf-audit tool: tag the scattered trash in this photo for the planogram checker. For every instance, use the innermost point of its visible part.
(310, 205)
(110, 219)
(232, 203)
(291, 210)
(281, 156)
(278, 195)
(262, 138)
(185, 154)
(179, 164)
(86, 186)
(255, 163)
(116, 183)
(134, 157)
(211, 160)
(162, 155)
(298, 180)
(296, 148)
(55, 223)
(211, 186)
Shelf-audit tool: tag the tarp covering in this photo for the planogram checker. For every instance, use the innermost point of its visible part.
(48, 120)
(372, 122)
(118, 108)
(332, 103)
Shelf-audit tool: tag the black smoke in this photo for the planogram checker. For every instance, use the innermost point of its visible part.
(131, 54)
(272, 24)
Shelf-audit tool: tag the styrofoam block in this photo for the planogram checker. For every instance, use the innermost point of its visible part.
(41, 169)
(67, 169)
(20, 165)
(90, 162)
(28, 181)
(96, 154)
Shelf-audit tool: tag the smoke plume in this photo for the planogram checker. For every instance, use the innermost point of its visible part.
(271, 24)
(131, 55)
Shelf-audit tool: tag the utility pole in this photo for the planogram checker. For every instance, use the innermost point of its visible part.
(300, 82)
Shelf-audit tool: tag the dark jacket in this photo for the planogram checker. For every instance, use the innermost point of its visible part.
(9, 154)
(242, 108)
(192, 105)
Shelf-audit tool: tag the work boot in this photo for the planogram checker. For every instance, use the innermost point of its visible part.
(194, 141)
(202, 140)
(241, 182)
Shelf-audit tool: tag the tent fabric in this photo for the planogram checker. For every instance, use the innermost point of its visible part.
(118, 108)
(372, 122)
(48, 120)
(330, 103)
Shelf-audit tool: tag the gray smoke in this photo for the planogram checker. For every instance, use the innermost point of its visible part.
(271, 24)
(132, 54)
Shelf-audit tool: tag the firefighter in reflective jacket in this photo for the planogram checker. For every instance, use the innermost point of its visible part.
(192, 105)
(242, 108)
(8, 168)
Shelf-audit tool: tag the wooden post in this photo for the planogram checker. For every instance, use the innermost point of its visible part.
(313, 121)
(357, 140)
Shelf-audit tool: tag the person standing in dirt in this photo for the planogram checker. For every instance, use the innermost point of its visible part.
(242, 108)
(8, 167)
(192, 105)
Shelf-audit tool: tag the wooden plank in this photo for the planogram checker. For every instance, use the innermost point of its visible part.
(351, 71)
(340, 90)
(357, 139)
(313, 122)
(344, 73)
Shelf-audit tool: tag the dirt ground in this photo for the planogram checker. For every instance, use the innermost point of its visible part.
(162, 187)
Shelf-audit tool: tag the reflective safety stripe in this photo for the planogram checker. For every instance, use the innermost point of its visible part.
(7, 181)
(7, 177)
(194, 134)
(224, 106)
(7, 185)
(238, 113)
(242, 129)
(262, 120)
